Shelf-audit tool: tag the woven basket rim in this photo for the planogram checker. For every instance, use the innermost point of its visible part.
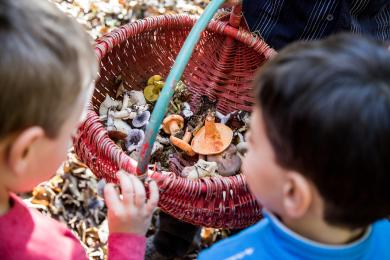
(105, 44)
(108, 41)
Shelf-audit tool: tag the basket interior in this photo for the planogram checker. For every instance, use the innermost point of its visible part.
(220, 68)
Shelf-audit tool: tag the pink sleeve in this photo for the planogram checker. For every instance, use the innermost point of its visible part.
(126, 246)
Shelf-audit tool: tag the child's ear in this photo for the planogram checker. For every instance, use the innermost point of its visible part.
(20, 150)
(297, 195)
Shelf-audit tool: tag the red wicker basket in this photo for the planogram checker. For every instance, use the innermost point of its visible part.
(222, 67)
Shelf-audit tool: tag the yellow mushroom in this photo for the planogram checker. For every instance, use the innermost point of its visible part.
(151, 93)
(153, 79)
(155, 85)
(159, 84)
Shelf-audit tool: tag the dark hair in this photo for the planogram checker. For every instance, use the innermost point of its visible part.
(326, 108)
(45, 60)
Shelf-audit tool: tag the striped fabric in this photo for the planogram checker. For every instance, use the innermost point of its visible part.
(282, 21)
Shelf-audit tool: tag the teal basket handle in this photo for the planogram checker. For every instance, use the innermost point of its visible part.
(167, 92)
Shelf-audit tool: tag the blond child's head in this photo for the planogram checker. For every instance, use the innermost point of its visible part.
(47, 66)
(320, 133)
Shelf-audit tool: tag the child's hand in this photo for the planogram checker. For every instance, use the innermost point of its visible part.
(131, 213)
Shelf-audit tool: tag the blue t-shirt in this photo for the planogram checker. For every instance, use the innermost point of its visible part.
(270, 239)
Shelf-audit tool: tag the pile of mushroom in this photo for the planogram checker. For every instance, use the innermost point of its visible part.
(213, 143)
(127, 116)
(218, 147)
(126, 120)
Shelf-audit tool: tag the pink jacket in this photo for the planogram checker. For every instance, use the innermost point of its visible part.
(27, 234)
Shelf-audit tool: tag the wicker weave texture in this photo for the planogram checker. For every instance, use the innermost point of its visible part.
(222, 67)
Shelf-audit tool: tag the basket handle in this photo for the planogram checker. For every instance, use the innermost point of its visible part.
(235, 16)
(174, 76)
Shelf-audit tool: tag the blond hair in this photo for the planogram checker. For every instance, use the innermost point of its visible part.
(46, 60)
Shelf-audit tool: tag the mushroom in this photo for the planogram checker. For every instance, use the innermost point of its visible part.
(152, 92)
(224, 119)
(186, 106)
(134, 139)
(200, 170)
(242, 148)
(172, 124)
(141, 108)
(160, 84)
(240, 137)
(213, 138)
(120, 91)
(162, 140)
(183, 144)
(229, 163)
(153, 79)
(126, 100)
(186, 111)
(244, 117)
(136, 98)
(116, 128)
(124, 114)
(141, 119)
(106, 104)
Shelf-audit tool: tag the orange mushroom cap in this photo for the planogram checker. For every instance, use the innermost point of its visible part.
(212, 138)
(172, 124)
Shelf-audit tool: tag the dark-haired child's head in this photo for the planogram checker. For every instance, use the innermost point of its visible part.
(46, 68)
(321, 129)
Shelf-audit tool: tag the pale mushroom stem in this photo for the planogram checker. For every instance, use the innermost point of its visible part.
(125, 102)
(120, 90)
(110, 121)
